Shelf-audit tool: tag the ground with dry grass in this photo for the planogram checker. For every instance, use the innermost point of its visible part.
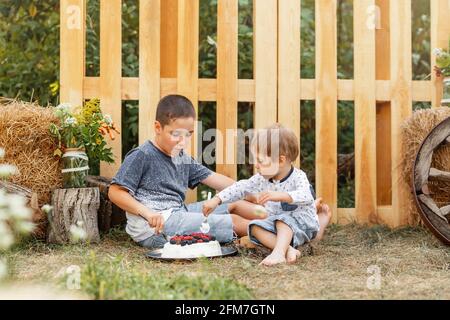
(412, 265)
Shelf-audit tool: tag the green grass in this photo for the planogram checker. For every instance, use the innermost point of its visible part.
(114, 278)
(413, 265)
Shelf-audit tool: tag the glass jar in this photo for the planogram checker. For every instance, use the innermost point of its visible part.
(446, 94)
(75, 163)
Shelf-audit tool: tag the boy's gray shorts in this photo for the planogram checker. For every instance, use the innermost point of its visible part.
(189, 219)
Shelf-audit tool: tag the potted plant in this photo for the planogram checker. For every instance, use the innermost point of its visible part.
(443, 70)
(81, 135)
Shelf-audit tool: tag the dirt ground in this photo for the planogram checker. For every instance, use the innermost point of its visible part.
(352, 262)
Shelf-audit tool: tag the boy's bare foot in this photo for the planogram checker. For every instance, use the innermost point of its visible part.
(324, 214)
(292, 255)
(245, 242)
(273, 259)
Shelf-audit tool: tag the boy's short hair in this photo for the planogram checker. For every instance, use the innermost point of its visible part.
(174, 107)
(283, 138)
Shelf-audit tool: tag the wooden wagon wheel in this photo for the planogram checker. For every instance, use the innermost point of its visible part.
(435, 218)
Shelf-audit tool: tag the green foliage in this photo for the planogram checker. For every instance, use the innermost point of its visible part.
(114, 279)
(29, 50)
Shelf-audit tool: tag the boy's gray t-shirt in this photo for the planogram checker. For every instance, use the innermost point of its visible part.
(158, 181)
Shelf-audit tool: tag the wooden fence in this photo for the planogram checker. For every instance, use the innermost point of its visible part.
(382, 88)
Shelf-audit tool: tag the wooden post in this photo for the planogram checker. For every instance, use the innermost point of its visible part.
(111, 75)
(365, 113)
(326, 103)
(401, 86)
(169, 38)
(265, 61)
(187, 78)
(77, 206)
(72, 50)
(289, 13)
(227, 87)
(149, 66)
(383, 139)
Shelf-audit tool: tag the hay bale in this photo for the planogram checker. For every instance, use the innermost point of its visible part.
(24, 134)
(414, 130)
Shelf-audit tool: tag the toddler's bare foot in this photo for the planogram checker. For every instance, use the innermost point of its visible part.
(273, 259)
(292, 255)
(324, 214)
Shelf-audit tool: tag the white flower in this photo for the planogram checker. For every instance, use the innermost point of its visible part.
(108, 119)
(25, 227)
(77, 233)
(7, 170)
(438, 52)
(3, 269)
(64, 107)
(46, 208)
(71, 121)
(6, 237)
(2, 153)
(18, 208)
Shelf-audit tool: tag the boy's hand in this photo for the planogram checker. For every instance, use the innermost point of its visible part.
(210, 205)
(274, 196)
(155, 220)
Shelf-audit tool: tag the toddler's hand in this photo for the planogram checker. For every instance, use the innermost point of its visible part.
(274, 196)
(210, 205)
(252, 197)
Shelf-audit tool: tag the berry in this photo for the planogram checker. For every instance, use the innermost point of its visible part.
(183, 243)
(199, 241)
(173, 241)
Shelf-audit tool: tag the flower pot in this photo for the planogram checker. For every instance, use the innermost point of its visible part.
(446, 93)
(75, 164)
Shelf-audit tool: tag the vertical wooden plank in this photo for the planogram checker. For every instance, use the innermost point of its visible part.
(169, 38)
(149, 65)
(383, 72)
(289, 13)
(440, 33)
(72, 50)
(326, 102)
(111, 74)
(365, 113)
(401, 85)
(227, 86)
(188, 30)
(265, 61)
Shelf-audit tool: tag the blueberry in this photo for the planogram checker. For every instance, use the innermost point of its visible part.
(173, 241)
(183, 243)
(206, 240)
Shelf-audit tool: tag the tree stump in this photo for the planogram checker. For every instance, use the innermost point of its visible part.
(109, 215)
(71, 206)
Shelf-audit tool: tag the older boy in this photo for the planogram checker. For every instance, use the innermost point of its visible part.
(154, 177)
